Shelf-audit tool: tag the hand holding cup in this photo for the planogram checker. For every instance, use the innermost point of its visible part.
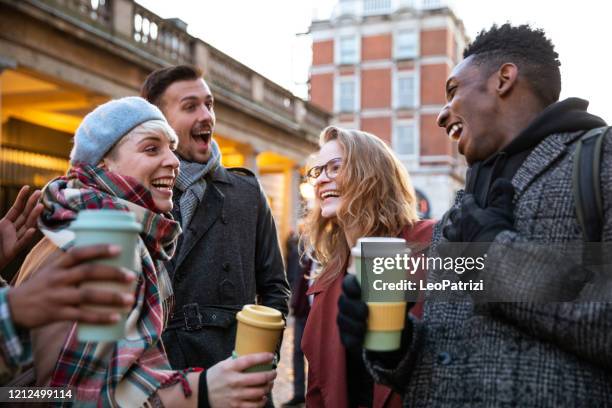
(52, 293)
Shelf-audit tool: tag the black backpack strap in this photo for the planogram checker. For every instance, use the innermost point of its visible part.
(586, 184)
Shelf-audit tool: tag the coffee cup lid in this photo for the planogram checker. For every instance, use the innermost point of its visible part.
(105, 219)
(396, 243)
(261, 316)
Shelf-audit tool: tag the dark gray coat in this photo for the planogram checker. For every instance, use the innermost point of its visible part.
(228, 256)
(517, 354)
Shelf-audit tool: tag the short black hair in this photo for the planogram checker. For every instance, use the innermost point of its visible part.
(528, 48)
(159, 80)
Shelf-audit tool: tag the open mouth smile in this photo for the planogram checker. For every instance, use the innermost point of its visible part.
(329, 194)
(203, 136)
(454, 131)
(163, 184)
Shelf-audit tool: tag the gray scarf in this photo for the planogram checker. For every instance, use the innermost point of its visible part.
(191, 182)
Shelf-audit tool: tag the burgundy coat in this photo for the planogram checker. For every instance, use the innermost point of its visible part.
(327, 382)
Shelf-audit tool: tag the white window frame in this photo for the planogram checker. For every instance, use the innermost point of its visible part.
(416, 139)
(338, 100)
(377, 7)
(397, 53)
(338, 49)
(396, 91)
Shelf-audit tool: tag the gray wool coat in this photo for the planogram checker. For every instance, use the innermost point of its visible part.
(228, 256)
(468, 354)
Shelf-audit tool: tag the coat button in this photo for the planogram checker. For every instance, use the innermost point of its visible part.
(444, 358)
(226, 266)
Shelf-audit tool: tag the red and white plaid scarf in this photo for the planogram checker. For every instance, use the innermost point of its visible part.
(129, 371)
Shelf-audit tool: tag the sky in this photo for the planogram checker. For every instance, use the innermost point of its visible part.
(265, 35)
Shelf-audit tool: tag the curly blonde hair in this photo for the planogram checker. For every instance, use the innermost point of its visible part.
(377, 199)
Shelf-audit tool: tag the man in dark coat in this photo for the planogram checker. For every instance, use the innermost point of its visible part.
(518, 206)
(228, 254)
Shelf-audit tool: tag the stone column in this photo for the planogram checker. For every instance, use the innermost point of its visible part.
(257, 87)
(5, 63)
(123, 17)
(201, 58)
(295, 206)
(250, 158)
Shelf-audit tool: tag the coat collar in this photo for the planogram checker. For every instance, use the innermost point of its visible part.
(322, 285)
(221, 175)
(207, 213)
(541, 158)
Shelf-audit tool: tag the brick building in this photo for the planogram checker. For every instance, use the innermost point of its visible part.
(381, 66)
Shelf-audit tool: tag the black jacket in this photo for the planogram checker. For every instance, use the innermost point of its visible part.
(228, 256)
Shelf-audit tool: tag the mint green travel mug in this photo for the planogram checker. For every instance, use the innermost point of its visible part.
(93, 227)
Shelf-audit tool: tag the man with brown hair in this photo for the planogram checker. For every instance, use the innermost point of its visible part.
(228, 255)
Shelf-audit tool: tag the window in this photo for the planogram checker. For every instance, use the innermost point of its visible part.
(406, 91)
(346, 95)
(374, 7)
(406, 44)
(348, 50)
(406, 142)
(433, 4)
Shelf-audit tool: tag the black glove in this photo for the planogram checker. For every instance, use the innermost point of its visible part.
(353, 324)
(352, 315)
(471, 223)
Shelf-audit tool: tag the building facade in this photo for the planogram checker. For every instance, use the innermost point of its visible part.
(61, 58)
(381, 66)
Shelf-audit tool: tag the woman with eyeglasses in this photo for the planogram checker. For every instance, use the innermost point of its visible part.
(361, 189)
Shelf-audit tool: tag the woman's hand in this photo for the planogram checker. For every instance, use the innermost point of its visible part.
(228, 386)
(18, 226)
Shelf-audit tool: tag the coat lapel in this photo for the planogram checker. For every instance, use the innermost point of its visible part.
(203, 219)
(541, 158)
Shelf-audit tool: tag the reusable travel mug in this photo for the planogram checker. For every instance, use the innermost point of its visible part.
(117, 227)
(259, 330)
(387, 310)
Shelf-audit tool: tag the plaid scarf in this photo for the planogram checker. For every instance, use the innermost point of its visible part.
(191, 182)
(129, 371)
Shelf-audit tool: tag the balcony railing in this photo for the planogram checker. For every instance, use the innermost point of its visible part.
(95, 11)
(362, 8)
(279, 99)
(166, 42)
(229, 74)
(162, 37)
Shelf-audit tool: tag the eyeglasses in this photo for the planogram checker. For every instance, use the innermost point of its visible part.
(331, 168)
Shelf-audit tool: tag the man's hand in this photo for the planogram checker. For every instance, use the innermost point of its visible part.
(53, 295)
(19, 224)
(228, 386)
(352, 315)
(472, 223)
